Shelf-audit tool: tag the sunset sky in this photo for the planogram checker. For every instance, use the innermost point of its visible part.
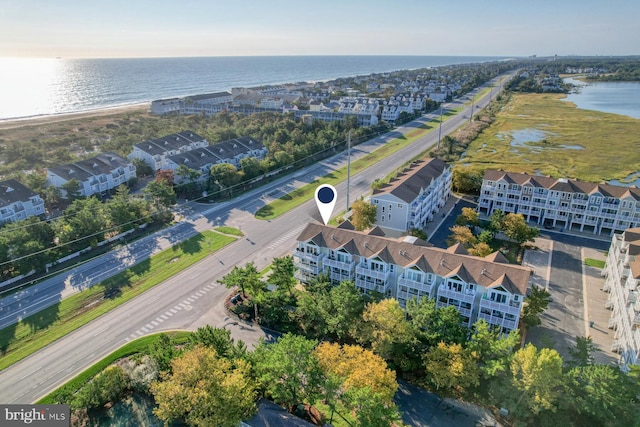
(160, 28)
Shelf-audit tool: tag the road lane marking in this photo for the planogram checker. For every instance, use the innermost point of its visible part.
(172, 311)
(144, 330)
(164, 317)
(154, 323)
(149, 326)
(158, 321)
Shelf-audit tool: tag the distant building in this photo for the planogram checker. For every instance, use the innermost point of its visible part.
(17, 202)
(480, 288)
(412, 198)
(96, 175)
(231, 151)
(561, 202)
(334, 116)
(206, 103)
(622, 272)
(156, 151)
(166, 106)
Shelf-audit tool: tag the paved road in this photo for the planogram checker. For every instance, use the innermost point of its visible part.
(192, 298)
(439, 238)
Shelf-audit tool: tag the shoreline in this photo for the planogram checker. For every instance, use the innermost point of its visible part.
(61, 117)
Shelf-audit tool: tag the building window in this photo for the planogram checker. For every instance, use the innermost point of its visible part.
(399, 205)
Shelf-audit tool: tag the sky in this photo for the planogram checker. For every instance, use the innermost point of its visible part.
(172, 28)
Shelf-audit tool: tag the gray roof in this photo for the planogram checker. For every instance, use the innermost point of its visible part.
(271, 415)
(442, 262)
(205, 96)
(564, 185)
(231, 148)
(175, 141)
(410, 182)
(82, 170)
(12, 191)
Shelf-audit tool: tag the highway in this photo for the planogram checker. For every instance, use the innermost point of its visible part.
(192, 298)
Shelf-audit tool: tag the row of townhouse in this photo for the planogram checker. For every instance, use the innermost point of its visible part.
(567, 203)
(17, 202)
(156, 152)
(201, 159)
(412, 198)
(207, 103)
(622, 280)
(480, 288)
(309, 116)
(96, 175)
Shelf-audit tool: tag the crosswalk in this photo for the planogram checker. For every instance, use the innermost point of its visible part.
(287, 236)
(183, 305)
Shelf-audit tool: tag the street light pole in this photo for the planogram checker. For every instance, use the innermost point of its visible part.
(348, 166)
(440, 128)
(473, 100)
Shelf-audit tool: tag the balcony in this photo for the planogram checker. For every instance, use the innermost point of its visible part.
(369, 285)
(467, 295)
(406, 295)
(334, 263)
(509, 307)
(372, 274)
(613, 323)
(309, 257)
(413, 284)
(339, 276)
(495, 320)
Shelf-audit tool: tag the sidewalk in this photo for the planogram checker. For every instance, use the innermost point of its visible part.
(439, 218)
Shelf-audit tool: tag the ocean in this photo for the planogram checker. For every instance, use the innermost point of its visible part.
(37, 87)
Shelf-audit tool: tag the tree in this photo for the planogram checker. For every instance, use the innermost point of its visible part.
(386, 329)
(166, 176)
(125, 212)
(220, 340)
(205, 390)
(160, 194)
(469, 216)
(534, 305)
(71, 189)
(288, 370)
(466, 180)
(251, 167)
(601, 394)
(537, 377)
(515, 227)
(363, 214)
(480, 249)
(51, 195)
(234, 279)
(84, 223)
(25, 244)
(142, 168)
(254, 285)
(225, 175)
(108, 386)
(582, 353)
(462, 235)
(450, 366)
(494, 350)
(495, 221)
(282, 271)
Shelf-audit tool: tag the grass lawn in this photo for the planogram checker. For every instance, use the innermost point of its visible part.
(136, 346)
(572, 143)
(229, 230)
(35, 332)
(302, 194)
(594, 262)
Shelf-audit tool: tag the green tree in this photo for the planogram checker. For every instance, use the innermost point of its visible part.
(494, 350)
(495, 221)
(220, 340)
(363, 214)
(537, 378)
(108, 386)
(142, 167)
(36, 181)
(254, 284)
(468, 216)
(251, 167)
(432, 325)
(161, 195)
(125, 212)
(602, 395)
(51, 195)
(450, 366)
(466, 180)
(163, 350)
(71, 189)
(25, 244)
(225, 175)
(480, 249)
(534, 305)
(235, 279)
(515, 227)
(84, 223)
(282, 271)
(289, 371)
(205, 389)
(582, 353)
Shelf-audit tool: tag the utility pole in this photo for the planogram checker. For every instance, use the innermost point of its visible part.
(348, 166)
(473, 100)
(440, 128)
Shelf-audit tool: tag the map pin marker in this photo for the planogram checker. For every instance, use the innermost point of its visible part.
(326, 197)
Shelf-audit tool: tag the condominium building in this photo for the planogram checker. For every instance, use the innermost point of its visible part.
(156, 152)
(412, 198)
(567, 203)
(96, 175)
(17, 202)
(480, 288)
(622, 272)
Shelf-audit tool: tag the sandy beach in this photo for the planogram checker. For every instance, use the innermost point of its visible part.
(55, 118)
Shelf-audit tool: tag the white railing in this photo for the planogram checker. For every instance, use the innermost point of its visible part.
(413, 284)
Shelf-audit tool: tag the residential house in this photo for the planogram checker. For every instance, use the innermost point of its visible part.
(622, 279)
(201, 159)
(334, 116)
(18, 202)
(166, 106)
(155, 152)
(206, 103)
(560, 202)
(96, 175)
(412, 198)
(480, 288)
